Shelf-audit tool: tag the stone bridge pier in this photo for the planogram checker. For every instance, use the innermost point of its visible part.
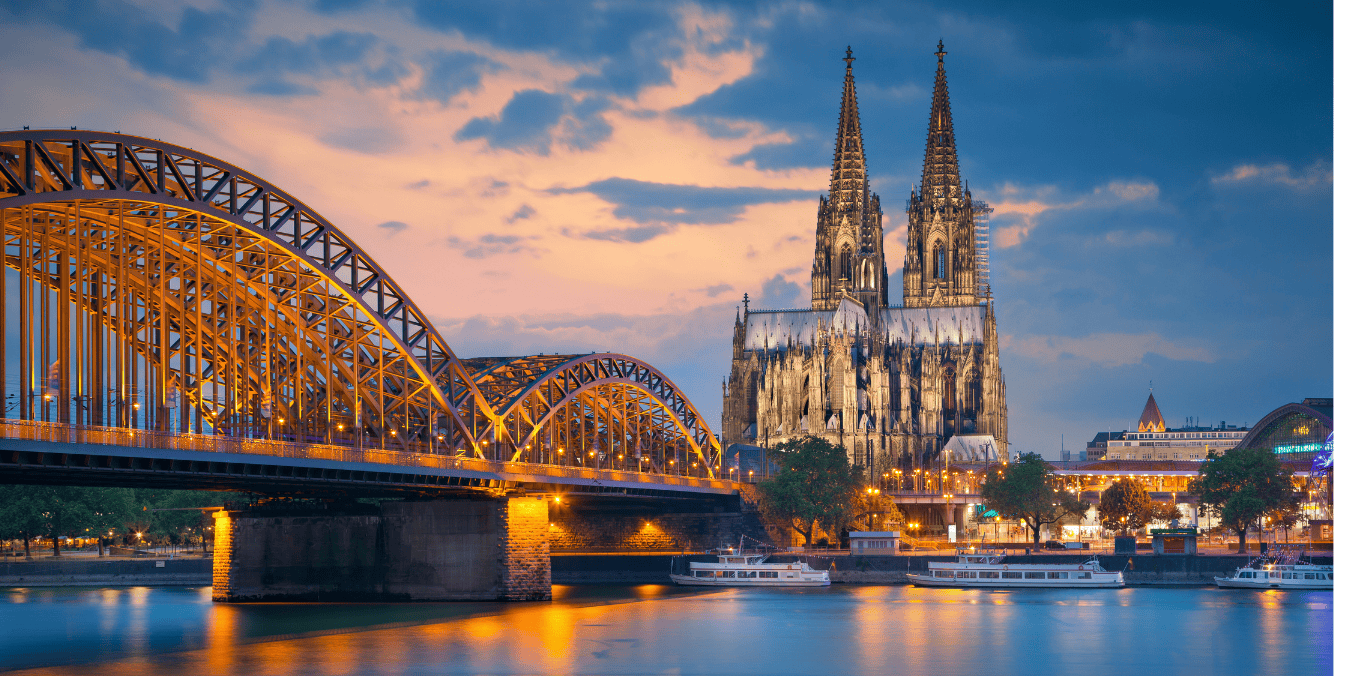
(435, 550)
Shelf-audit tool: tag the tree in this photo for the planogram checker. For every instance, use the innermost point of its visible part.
(1242, 486)
(1125, 506)
(1165, 512)
(871, 509)
(21, 513)
(816, 483)
(1025, 489)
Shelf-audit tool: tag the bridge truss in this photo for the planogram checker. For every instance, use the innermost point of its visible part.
(149, 286)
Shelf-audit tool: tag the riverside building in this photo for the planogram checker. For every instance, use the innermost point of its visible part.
(1152, 440)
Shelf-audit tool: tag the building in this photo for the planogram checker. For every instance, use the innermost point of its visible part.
(891, 383)
(1296, 432)
(1152, 440)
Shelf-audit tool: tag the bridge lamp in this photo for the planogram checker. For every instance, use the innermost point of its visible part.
(558, 500)
(561, 451)
(340, 425)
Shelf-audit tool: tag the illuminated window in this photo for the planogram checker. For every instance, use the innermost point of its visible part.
(938, 257)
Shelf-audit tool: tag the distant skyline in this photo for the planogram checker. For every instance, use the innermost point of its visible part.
(576, 177)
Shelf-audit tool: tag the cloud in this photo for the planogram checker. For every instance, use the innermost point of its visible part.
(368, 140)
(1107, 349)
(187, 52)
(316, 56)
(393, 226)
(523, 125)
(1018, 210)
(494, 245)
(522, 213)
(1318, 174)
(716, 290)
(448, 73)
(1139, 238)
(779, 293)
(651, 203)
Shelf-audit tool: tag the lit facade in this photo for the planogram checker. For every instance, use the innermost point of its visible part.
(891, 383)
(1152, 440)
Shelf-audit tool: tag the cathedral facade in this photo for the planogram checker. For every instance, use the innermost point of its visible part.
(896, 385)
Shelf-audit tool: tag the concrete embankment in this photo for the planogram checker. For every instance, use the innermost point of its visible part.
(84, 572)
(1141, 570)
(593, 568)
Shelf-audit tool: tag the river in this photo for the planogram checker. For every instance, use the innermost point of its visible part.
(653, 629)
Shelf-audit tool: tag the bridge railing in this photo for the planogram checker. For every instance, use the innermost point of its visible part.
(33, 430)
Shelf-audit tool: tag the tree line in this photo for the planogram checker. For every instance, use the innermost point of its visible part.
(110, 515)
(817, 487)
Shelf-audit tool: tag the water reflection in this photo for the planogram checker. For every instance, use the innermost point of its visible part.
(659, 629)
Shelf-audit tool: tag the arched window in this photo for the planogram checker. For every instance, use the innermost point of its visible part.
(938, 257)
(846, 271)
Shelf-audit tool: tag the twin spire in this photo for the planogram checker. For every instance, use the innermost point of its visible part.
(850, 179)
(939, 174)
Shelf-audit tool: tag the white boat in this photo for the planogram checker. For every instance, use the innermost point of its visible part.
(1282, 570)
(989, 570)
(738, 569)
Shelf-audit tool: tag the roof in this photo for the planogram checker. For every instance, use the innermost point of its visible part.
(973, 447)
(959, 325)
(1151, 420)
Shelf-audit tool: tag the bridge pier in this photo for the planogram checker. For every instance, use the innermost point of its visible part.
(441, 550)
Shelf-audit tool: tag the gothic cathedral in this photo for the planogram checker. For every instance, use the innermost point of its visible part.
(897, 385)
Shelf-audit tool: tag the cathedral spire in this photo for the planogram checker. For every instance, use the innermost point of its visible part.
(939, 176)
(849, 179)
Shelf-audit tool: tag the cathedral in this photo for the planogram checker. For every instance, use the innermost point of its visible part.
(901, 387)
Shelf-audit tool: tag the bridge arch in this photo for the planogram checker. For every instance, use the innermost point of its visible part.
(220, 303)
(639, 414)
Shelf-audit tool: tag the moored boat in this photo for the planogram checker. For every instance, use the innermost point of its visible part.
(1281, 570)
(989, 570)
(738, 569)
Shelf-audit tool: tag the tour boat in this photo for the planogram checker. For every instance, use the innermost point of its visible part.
(738, 569)
(1282, 570)
(988, 570)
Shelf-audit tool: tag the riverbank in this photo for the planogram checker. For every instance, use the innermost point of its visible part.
(1142, 570)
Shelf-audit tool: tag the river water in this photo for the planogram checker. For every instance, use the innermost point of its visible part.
(654, 629)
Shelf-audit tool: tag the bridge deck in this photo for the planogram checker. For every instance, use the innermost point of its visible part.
(42, 452)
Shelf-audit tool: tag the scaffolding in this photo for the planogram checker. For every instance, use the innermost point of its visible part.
(981, 212)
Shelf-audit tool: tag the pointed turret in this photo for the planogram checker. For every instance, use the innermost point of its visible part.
(1151, 420)
(849, 177)
(939, 174)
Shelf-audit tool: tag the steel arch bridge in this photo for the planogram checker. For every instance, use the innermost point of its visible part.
(150, 286)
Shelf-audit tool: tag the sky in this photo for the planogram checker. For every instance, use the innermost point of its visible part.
(613, 176)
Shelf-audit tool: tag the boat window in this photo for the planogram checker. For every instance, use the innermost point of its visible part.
(743, 573)
(1085, 575)
(988, 574)
(967, 573)
(1247, 574)
(725, 573)
(1010, 576)
(944, 573)
(769, 573)
(1322, 576)
(735, 560)
(1035, 576)
(1331, 576)
(1310, 576)
(1058, 576)
(704, 573)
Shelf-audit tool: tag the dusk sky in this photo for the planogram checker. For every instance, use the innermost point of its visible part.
(613, 176)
